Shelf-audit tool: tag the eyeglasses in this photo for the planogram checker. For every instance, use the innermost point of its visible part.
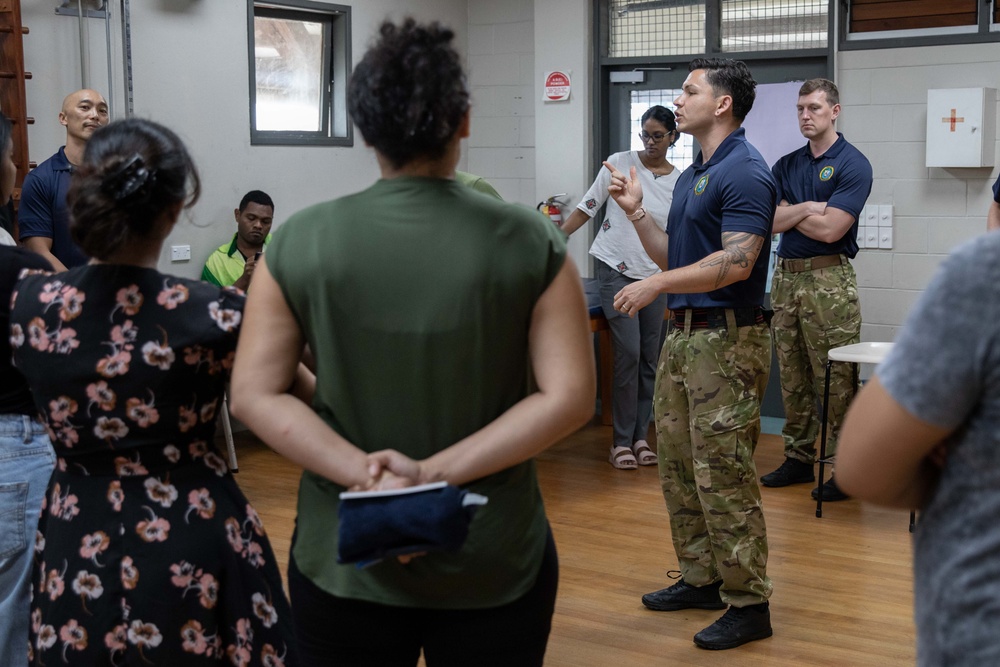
(655, 138)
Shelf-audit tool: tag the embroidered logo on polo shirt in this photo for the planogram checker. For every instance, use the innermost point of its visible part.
(700, 186)
(826, 173)
(591, 203)
(622, 267)
(606, 225)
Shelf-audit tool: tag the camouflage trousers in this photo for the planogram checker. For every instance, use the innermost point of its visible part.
(814, 311)
(709, 385)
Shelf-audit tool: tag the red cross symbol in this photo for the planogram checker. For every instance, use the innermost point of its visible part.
(953, 119)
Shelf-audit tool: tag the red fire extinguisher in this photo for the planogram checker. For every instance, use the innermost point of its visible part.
(552, 207)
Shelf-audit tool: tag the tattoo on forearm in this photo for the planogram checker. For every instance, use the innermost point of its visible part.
(738, 249)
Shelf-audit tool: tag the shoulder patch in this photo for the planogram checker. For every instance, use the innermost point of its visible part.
(590, 204)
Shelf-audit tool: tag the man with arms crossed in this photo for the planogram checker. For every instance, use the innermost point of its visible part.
(716, 357)
(822, 189)
(233, 262)
(42, 216)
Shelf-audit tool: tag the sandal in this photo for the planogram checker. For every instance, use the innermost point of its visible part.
(643, 454)
(622, 458)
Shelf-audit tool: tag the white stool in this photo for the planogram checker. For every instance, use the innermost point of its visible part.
(858, 353)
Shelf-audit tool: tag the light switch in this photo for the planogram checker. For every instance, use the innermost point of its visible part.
(885, 238)
(862, 233)
(871, 237)
(885, 216)
(870, 216)
(180, 253)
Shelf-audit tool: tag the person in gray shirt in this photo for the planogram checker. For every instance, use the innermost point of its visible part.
(924, 434)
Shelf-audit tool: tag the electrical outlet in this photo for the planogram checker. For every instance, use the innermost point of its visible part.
(180, 253)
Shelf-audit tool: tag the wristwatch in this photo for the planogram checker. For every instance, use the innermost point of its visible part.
(636, 215)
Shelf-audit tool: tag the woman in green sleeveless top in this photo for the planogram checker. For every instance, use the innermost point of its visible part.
(424, 304)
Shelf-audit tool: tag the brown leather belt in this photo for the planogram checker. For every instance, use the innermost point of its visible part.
(811, 263)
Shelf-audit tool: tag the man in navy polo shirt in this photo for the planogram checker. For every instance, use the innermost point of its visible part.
(715, 360)
(42, 216)
(822, 189)
(993, 217)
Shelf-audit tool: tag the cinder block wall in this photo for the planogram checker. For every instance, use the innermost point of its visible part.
(884, 100)
(501, 54)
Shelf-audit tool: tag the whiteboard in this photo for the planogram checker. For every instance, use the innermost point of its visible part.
(772, 125)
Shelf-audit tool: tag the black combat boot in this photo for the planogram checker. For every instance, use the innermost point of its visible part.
(683, 595)
(790, 472)
(737, 626)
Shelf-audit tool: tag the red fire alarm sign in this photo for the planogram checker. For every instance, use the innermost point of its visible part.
(557, 87)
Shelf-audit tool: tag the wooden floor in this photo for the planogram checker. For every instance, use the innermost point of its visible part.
(842, 583)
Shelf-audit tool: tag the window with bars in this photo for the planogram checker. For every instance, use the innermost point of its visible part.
(679, 27)
(656, 28)
(773, 25)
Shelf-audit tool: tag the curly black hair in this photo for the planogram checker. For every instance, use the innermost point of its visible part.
(408, 94)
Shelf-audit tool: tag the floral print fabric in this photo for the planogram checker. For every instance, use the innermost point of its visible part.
(147, 551)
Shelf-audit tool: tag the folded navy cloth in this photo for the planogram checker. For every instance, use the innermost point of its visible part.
(378, 525)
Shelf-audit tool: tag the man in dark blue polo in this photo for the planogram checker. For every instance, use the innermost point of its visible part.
(715, 360)
(42, 216)
(822, 189)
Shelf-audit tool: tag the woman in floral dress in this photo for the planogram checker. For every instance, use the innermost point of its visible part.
(148, 553)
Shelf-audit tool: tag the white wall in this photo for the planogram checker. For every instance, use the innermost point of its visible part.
(501, 147)
(563, 129)
(527, 148)
(884, 100)
(52, 55)
(191, 73)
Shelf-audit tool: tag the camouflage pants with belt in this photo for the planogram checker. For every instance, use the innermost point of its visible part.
(814, 311)
(709, 385)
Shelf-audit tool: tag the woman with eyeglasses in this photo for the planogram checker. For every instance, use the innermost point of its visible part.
(623, 261)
